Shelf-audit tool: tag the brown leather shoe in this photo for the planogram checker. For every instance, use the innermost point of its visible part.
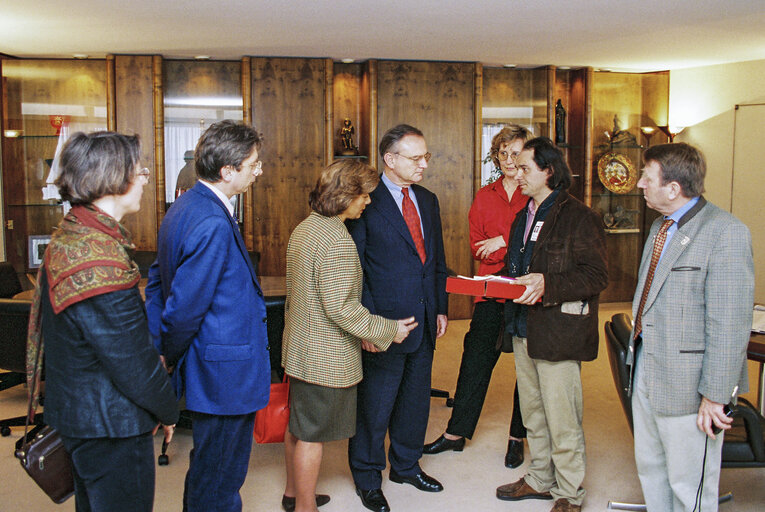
(563, 505)
(520, 490)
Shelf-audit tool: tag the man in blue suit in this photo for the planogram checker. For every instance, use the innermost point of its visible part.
(208, 319)
(402, 253)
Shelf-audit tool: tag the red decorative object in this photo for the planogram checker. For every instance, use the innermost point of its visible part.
(59, 121)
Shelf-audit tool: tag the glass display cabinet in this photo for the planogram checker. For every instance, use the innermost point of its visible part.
(44, 102)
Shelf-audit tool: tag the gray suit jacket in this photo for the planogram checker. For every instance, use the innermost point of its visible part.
(698, 315)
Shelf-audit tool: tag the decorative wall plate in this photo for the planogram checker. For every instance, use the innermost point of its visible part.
(617, 173)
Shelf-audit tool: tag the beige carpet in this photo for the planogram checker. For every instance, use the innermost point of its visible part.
(470, 477)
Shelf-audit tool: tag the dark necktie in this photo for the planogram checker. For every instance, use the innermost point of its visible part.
(658, 245)
(413, 223)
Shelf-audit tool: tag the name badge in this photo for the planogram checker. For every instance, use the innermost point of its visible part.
(536, 230)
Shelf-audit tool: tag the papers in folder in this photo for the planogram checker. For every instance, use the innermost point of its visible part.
(758, 319)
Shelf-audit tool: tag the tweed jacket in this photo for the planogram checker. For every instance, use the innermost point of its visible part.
(324, 319)
(698, 314)
(570, 252)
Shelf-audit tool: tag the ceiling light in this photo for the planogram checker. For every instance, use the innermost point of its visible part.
(12, 133)
(80, 56)
(508, 65)
(564, 67)
(202, 57)
(347, 61)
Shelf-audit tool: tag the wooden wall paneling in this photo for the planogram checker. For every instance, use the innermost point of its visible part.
(477, 140)
(550, 79)
(135, 113)
(329, 114)
(288, 107)
(159, 138)
(111, 113)
(2, 142)
(438, 98)
(246, 85)
(369, 88)
(588, 127)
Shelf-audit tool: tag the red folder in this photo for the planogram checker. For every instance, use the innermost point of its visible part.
(498, 288)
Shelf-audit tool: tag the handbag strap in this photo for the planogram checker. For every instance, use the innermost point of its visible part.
(31, 407)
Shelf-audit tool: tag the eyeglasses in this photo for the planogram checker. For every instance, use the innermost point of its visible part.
(416, 159)
(144, 173)
(503, 155)
(257, 167)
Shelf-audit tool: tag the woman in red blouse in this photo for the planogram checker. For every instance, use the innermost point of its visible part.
(491, 215)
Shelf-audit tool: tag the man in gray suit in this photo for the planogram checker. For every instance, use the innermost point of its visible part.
(693, 314)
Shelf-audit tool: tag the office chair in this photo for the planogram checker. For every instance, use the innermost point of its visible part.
(744, 444)
(14, 317)
(9, 281)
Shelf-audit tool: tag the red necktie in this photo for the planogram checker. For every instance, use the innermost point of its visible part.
(413, 223)
(658, 245)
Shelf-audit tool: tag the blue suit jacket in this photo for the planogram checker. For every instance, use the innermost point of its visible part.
(396, 283)
(206, 309)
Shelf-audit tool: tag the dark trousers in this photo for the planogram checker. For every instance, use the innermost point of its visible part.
(479, 356)
(393, 397)
(218, 462)
(112, 474)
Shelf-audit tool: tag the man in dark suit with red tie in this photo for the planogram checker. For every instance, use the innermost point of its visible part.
(401, 250)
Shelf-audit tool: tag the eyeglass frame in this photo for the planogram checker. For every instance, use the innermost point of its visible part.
(416, 159)
(514, 155)
(257, 167)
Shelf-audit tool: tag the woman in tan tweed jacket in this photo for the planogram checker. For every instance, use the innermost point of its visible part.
(325, 324)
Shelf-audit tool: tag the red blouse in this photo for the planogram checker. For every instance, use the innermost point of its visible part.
(492, 215)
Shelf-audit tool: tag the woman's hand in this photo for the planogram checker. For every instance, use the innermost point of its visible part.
(404, 327)
(488, 246)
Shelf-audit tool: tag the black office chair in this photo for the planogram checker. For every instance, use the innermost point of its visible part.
(9, 281)
(14, 317)
(744, 444)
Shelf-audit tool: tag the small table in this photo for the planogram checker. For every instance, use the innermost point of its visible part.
(756, 352)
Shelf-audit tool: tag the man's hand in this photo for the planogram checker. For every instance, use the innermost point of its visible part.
(712, 412)
(488, 246)
(404, 327)
(441, 323)
(535, 288)
(369, 346)
(168, 429)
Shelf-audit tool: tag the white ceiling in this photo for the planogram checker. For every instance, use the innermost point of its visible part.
(630, 35)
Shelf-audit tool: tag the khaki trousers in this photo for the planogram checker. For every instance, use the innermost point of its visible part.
(551, 405)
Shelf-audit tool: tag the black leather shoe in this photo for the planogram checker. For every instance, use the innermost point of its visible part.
(514, 455)
(421, 480)
(288, 502)
(373, 499)
(442, 445)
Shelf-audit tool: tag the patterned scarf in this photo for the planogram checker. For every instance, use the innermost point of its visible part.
(88, 255)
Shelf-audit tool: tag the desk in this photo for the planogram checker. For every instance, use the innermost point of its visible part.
(756, 352)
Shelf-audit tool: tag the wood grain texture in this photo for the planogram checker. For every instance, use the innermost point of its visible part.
(159, 139)
(246, 85)
(134, 108)
(288, 107)
(438, 98)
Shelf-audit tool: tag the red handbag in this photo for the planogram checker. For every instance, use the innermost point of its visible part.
(271, 421)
